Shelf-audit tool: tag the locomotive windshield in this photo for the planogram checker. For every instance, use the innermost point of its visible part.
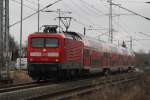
(44, 42)
(51, 42)
(37, 42)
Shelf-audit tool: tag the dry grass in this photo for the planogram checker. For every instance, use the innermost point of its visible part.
(137, 90)
(20, 76)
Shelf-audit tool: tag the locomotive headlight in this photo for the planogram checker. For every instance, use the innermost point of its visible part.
(35, 54)
(53, 54)
(57, 60)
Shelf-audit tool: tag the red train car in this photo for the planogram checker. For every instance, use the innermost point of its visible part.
(53, 54)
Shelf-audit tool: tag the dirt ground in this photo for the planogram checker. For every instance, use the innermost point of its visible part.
(137, 90)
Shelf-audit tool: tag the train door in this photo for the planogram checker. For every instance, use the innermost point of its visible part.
(106, 59)
(86, 58)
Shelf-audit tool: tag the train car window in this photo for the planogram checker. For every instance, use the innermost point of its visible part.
(95, 62)
(106, 55)
(120, 56)
(114, 49)
(86, 52)
(37, 42)
(51, 42)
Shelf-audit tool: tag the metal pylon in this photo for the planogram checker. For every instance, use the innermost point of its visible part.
(4, 34)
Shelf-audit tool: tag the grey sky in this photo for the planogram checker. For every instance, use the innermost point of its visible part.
(88, 13)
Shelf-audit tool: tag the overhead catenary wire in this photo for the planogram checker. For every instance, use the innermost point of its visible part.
(144, 34)
(79, 22)
(24, 5)
(86, 11)
(147, 35)
(122, 28)
(125, 30)
(99, 12)
(85, 25)
(117, 23)
(32, 2)
(85, 17)
(81, 8)
(87, 4)
(35, 12)
(130, 11)
(133, 1)
(94, 8)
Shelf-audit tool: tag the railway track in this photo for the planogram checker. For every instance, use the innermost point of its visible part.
(13, 85)
(63, 89)
(77, 89)
(20, 86)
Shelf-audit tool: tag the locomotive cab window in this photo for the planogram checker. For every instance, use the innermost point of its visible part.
(44, 42)
(37, 42)
(51, 42)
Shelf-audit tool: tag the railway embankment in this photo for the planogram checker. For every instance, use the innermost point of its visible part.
(133, 90)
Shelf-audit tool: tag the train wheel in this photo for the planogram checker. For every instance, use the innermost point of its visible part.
(38, 80)
(73, 73)
(106, 72)
(59, 75)
(68, 74)
(77, 73)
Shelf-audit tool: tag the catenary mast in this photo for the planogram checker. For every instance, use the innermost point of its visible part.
(4, 35)
(110, 22)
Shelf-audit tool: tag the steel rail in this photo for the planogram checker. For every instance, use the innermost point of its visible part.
(16, 87)
(79, 91)
(74, 91)
(16, 84)
(65, 88)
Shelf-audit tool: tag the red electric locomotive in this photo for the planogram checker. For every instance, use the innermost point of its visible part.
(53, 54)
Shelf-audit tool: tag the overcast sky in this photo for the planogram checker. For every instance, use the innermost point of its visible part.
(87, 13)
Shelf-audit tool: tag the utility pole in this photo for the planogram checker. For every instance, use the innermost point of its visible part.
(84, 31)
(1, 34)
(131, 43)
(7, 63)
(4, 38)
(110, 22)
(38, 15)
(118, 43)
(58, 18)
(20, 47)
(4, 31)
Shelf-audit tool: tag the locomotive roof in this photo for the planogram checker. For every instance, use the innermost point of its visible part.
(44, 34)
